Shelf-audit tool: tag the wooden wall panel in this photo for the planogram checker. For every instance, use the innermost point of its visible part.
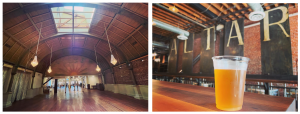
(187, 59)
(172, 64)
(207, 52)
(276, 55)
(236, 44)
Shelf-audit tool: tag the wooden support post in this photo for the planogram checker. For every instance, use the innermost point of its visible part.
(199, 81)
(267, 88)
(55, 86)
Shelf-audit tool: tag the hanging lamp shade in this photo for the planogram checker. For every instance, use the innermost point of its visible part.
(34, 62)
(49, 69)
(98, 69)
(113, 60)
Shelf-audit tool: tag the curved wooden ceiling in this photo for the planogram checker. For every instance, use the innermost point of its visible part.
(208, 14)
(126, 25)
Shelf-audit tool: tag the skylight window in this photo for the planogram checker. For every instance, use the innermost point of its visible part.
(63, 17)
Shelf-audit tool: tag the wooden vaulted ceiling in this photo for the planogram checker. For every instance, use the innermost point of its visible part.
(126, 25)
(207, 14)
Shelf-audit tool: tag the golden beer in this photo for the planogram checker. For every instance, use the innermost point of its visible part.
(230, 75)
(229, 89)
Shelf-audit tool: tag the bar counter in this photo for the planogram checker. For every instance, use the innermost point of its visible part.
(170, 96)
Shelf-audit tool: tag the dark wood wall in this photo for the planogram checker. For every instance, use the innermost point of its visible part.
(173, 55)
(234, 37)
(276, 54)
(207, 50)
(187, 59)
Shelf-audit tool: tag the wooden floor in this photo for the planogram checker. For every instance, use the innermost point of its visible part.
(88, 100)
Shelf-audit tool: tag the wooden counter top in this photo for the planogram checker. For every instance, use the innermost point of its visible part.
(170, 96)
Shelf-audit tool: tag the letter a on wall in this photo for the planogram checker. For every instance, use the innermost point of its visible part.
(173, 54)
(234, 37)
(276, 53)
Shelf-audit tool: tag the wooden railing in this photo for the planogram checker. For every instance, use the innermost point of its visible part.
(293, 79)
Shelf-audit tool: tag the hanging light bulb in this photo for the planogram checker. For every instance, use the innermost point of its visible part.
(34, 62)
(113, 60)
(49, 69)
(98, 69)
(173, 9)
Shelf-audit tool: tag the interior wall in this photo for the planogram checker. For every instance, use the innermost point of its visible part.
(252, 46)
(123, 75)
(37, 83)
(93, 79)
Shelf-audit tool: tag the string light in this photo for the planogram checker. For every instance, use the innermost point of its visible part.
(50, 70)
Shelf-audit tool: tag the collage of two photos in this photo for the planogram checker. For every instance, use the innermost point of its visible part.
(95, 57)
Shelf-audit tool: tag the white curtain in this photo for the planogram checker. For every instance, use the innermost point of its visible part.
(23, 86)
(15, 86)
(20, 85)
(6, 77)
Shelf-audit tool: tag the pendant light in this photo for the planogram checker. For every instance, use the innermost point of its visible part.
(98, 68)
(49, 69)
(112, 60)
(173, 9)
(35, 62)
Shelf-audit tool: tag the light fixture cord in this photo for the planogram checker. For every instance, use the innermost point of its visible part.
(37, 46)
(51, 55)
(95, 54)
(107, 39)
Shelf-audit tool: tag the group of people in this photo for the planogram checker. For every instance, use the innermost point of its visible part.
(76, 84)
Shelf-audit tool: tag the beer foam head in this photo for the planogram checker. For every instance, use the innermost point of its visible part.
(230, 62)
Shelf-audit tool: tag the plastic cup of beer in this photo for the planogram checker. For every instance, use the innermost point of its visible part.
(230, 75)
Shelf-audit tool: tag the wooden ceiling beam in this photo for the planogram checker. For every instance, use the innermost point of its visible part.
(222, 9)
(141, 26)
(139, 43)
(170, 15)
(143, 36)
(23, 31)
(14, 53)
(239, 8)
(134, 48)
(128, 50)
(185, 14)
(15, 39)
(9, 49)
(232, 10)
(17, 24)
(202, 20)
(137, 29)
(205, 18)
(36, 28)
